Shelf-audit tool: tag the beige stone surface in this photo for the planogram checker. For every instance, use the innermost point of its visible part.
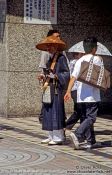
(24, 93)
(19, 59)
(22, 40)
(3, 72)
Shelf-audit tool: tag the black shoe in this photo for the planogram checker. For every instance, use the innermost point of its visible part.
(64, 136)
(40, 119)
(93, 142)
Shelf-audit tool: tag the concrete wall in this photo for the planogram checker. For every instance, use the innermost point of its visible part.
(20, 93)
(3, 60)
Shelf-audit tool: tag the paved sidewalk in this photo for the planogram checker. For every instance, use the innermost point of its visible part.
(18, 157)
(29, 129)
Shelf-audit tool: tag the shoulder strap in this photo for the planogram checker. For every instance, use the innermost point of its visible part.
(54, 61)
(52, 68)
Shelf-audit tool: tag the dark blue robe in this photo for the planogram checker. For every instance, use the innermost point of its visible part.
(54, 113)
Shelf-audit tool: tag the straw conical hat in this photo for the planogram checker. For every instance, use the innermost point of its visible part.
(51, 41)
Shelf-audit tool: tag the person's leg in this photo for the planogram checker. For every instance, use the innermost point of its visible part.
(91, 114)
(58, 137)
(73, 119)
(84, 128)
(50, 138)
(82, 111)
(82, 108)
(86, 125)
(51, 135)
(91, 137)
(41, 114)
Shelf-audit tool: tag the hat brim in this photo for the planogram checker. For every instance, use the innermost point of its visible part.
(45, 46)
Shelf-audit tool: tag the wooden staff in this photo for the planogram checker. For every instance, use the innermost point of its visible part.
(51, 68)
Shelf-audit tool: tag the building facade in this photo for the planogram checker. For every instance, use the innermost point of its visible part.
(19, 59)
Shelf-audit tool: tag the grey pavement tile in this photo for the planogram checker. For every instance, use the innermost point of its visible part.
(31, 125)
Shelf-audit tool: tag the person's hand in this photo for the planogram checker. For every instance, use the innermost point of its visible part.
(67, 96)
(41, 77)
(51, 75)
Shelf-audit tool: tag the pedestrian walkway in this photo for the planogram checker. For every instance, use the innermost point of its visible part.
(29, 129)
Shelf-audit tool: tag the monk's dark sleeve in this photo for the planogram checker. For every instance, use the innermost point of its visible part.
(62, 72)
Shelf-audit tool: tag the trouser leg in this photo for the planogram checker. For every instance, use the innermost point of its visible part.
(58, 135)
(93, 140)
(51, 135)
(85, 127)
(41, 114)
(90, 135)
(73, 119)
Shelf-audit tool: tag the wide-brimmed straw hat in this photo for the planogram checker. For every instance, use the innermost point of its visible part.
(51, 41)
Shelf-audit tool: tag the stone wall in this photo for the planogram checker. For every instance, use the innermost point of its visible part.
(3, 60)
(20, 93)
